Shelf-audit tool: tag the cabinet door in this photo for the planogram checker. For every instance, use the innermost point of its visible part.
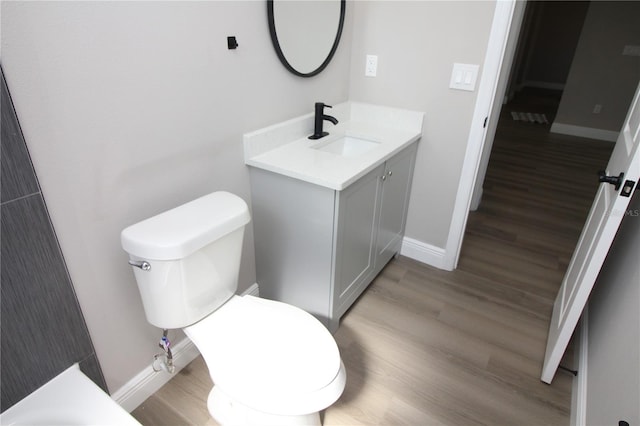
(393, 205)
(355, 236)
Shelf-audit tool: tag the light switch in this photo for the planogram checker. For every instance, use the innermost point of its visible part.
(464, 77)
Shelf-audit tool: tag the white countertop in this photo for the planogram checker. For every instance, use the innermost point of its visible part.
(285, 148)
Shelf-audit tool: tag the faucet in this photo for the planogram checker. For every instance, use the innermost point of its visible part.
(319, 121)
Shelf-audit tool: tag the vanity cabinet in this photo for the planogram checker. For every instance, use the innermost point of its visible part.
(394, 202)
(319, 248)
(357, 214)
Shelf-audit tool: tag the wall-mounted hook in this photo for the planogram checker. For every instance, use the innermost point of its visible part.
(231, 42)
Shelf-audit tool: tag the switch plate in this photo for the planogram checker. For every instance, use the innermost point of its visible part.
(597, 109)
(371, 66)
(464, 77)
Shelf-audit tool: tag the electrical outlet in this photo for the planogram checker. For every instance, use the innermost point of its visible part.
(371, 66)
(597, 108)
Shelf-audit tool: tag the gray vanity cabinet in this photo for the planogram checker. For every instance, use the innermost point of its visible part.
(394, 202)
(318, 248)
(357, 213)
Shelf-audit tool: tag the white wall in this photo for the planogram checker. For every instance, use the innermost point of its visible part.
(613, 351)
(130, 108)
(417, 44)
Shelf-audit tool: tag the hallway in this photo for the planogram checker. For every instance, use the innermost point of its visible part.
(537, 194)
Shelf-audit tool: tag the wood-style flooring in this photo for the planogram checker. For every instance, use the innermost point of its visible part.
(428, 347)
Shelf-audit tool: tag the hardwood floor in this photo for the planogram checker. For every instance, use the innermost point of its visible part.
(424, 346)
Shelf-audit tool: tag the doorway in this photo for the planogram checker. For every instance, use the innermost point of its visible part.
(537, 180)
(548, 34)
(548, 38)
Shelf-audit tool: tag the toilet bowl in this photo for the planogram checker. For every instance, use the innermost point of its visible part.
(276, 363)
(271, 363)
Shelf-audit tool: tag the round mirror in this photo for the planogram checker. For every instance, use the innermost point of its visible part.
(305, 33)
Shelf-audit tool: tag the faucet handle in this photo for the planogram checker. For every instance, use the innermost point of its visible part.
(321, 105)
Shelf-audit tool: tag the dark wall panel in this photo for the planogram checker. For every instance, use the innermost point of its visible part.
(42, 329)
(18, 178)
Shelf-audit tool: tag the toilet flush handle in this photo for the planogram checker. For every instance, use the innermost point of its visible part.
(144, 265)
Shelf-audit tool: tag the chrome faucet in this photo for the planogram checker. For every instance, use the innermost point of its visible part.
(319, 121)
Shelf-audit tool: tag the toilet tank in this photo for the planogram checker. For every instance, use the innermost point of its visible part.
(194, 255)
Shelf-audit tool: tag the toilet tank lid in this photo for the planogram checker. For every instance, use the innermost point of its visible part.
(185, 229)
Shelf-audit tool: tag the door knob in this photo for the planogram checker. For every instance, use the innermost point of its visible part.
(616, 181)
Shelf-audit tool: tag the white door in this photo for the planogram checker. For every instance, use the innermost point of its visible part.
(607, 211)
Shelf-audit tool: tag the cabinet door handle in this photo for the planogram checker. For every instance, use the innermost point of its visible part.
(384, 177)
(389, 172)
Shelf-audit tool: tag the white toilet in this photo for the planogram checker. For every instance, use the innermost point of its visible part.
(271, 363)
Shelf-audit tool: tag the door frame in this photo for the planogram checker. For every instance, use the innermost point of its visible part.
(505, 29)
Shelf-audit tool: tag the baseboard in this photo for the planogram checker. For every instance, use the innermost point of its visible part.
(543, 85)
(148, 381)
(253, 290)
(584, 132)
(579, 388)
(423, 252)
(539, 85)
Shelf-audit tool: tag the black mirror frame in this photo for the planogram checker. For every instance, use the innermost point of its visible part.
(276, 44)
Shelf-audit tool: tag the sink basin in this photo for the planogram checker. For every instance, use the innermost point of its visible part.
(348, 146)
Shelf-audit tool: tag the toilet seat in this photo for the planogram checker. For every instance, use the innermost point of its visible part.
(270, 356)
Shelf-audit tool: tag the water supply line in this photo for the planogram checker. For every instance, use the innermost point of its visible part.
(164, 361)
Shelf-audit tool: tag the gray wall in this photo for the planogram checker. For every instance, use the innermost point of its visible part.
(131, 108)
(417, 43)
(42, 328)
(599, 73)
(550, 34)
(613, 357)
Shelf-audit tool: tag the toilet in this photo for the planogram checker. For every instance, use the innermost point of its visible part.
(271, 363)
